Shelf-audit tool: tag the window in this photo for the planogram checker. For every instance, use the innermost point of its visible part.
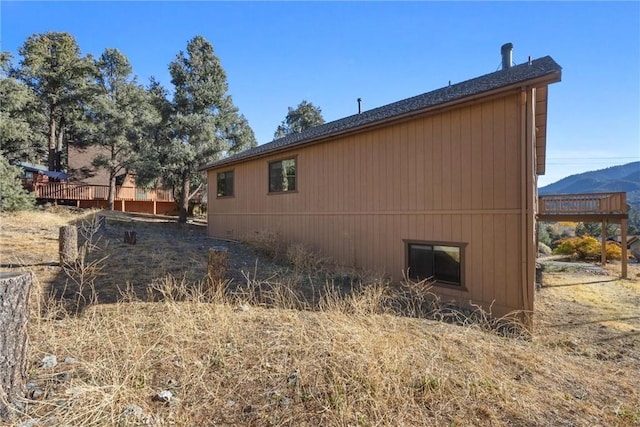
(441, 262)
(225, 184)
(282, 176)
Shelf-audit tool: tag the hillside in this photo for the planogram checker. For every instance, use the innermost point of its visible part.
(257, 358)
(616, 178)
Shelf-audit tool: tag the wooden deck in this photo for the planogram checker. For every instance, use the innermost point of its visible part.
(70, 191)
(594, 207)
(127, 199)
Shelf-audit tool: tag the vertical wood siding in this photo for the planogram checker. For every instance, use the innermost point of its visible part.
(452, 176)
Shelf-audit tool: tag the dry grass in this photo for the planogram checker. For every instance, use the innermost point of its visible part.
(237, 360)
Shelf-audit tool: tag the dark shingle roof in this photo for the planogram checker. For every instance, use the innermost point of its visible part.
(517, 74)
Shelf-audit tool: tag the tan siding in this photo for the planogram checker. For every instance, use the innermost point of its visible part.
(448, 177)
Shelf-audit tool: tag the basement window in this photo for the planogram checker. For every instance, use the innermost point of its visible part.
(441, 262)
(282, 176)
(225, 184)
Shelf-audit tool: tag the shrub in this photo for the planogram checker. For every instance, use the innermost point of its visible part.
(13, 197)
(614, 251)
(587, 247)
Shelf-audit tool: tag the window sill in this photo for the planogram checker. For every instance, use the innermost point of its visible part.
(451, 286)
(274, 193)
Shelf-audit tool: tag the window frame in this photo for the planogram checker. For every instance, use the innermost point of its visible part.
(295, 177)
(461, 246)
(233, 184)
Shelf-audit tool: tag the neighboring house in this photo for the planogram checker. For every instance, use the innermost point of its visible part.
(440, 185)
(633, 244)
(37, 174)
(88, 186)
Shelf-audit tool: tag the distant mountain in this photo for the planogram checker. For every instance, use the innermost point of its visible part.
(616, 178)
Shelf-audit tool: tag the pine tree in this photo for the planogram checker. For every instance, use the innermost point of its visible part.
(53, 68)
(121, 115)
(304, 116)
(203, 124)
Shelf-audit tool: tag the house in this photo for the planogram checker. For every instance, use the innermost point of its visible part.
(87, 186)
(33, 174)
(439, 185)
(633, 244)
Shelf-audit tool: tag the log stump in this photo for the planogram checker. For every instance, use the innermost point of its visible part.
(68, 245)
(216, 266)
(130, 237)
(14, 301)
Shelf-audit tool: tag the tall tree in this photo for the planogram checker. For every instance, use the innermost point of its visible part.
(52, 66)
(121, 115)
(203, 124)
(304, 116)
(19, 117)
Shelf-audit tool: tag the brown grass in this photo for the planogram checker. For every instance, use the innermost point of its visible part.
(238, 361)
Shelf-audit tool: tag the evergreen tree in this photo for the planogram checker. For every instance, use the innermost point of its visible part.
(19, 118)
(121, 115)
(304, 116)
(53, 68)
(13, 197)
(203, 125)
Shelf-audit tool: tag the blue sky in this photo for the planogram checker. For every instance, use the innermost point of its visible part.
(331, 53)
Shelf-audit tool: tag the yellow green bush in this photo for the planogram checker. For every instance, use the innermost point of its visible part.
(614, 251)
(587, 247)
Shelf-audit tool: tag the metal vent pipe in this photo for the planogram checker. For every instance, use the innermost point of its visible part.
(507, 55)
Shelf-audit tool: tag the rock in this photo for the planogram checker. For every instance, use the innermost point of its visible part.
(285, 401)
(133, 411)
(70, 360)
(29, 423)
(62, 377)
(292, 379)
(229, 403)
(36, 394)
(544, 249)
(50, 361)
(164, 396)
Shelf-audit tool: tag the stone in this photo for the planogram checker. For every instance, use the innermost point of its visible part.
(50, 361)
(163, 396)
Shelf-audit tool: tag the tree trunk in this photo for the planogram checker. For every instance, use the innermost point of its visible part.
(14, 300)
(184, 198)
(59, 145)
(112, 191)
(52, 140)
(68, 245)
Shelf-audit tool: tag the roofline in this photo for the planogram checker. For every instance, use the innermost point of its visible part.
(546, 79)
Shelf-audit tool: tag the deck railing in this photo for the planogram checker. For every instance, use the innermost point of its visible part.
(71, 191)
(583, 204)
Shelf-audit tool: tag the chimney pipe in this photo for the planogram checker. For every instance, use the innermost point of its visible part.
(507, 51)
(359, 105)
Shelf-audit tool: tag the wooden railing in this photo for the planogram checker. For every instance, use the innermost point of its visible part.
(71, 191)
(583, 204)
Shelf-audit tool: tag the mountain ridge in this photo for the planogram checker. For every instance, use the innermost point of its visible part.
(612, 179)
